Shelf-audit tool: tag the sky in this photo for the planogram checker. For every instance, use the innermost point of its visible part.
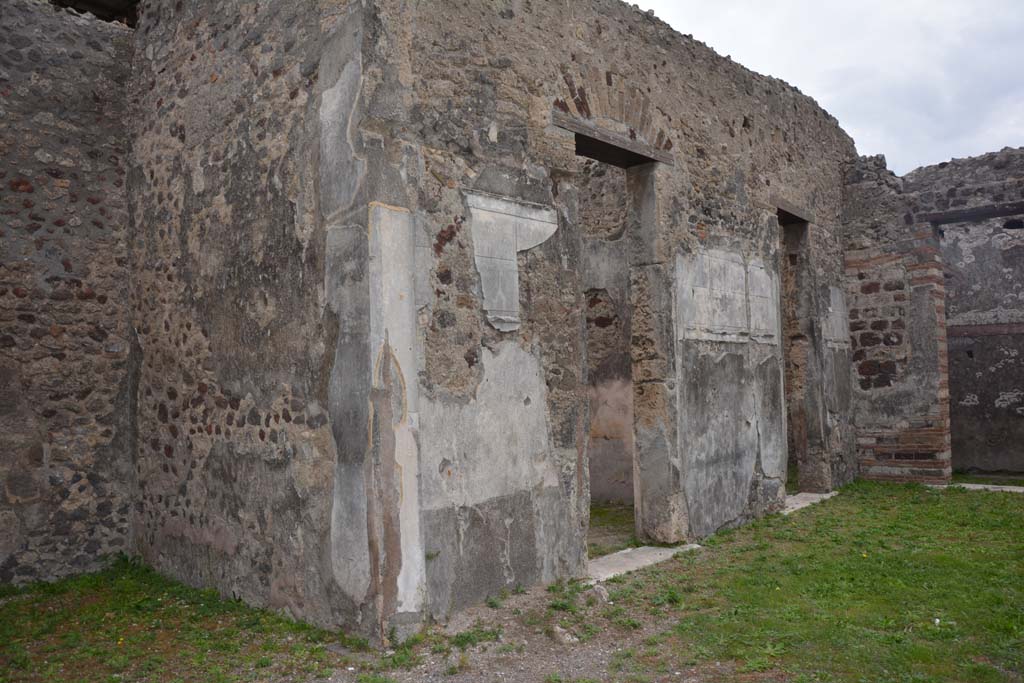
(920, 81)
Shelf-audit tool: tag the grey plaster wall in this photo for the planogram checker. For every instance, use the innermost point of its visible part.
(979, 206)
(66, 346)
(732, 420)
(816, 349)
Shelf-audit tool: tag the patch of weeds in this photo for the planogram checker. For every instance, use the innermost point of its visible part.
(756, 664)
(622, 595)
(628, 623)
(355, 643)
(475, 636)
(404, 655)
(373, 678)
(620, 617)
(566, 595)
(621, 659)
(459, 666)
(563, 605)
(586, 631)
(533, 617)
(667, 596)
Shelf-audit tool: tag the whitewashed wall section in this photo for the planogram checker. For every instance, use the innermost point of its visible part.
(722, 297)
(392, 266)
(502, 228)
(837, 320)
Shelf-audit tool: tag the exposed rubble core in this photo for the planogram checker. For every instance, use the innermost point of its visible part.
(66, 348)
(897, 328)
(350, 308)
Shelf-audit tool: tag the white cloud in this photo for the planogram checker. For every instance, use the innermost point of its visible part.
(920, 81)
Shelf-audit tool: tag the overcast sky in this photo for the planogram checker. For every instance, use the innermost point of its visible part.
(920, 81)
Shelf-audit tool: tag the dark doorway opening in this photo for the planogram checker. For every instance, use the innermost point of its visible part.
(604, 210)
(617, 217)
(797, 349)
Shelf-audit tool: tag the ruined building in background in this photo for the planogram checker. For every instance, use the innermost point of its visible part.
(350, 309)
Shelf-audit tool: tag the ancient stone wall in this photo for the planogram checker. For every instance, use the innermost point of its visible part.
(376, 293)
(489, 99)
(236, 457)
(896, 296)
(66, 379)
(977, 205)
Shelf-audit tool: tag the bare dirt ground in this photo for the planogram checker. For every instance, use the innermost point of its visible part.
(545, 652)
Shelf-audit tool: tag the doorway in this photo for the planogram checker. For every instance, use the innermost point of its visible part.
(609, 180)
(797, 349)
(603, 216)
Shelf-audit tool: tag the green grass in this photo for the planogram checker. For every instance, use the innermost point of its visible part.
(614, 526)
(130, 624)
(990, 479)
(474, 636)
(792, 479)
(882, 583)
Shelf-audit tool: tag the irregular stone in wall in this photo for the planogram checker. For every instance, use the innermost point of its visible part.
(502, 228)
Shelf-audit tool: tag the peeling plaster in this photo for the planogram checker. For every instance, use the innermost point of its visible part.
(495, 444)
(722, 297)
(503, 227)
(392, 249)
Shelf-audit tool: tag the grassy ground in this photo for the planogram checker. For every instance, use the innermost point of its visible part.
(881, 583)
(792, 479)
(612, 529)
(128, 623)
(991, 479)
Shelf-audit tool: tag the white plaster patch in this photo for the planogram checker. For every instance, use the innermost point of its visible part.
(1009, 398)
(501, 228)
(763, 302)
(494, 445)
(712, 296)
(392, 247)
(805, 499)
(721, 297)
(837, 318)
(632, 559)
(970, 400)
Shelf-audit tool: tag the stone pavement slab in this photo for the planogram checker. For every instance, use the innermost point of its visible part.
(631, 559)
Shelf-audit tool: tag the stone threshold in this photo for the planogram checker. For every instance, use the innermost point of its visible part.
(799, 501)
(631, 559)
(980, 487)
